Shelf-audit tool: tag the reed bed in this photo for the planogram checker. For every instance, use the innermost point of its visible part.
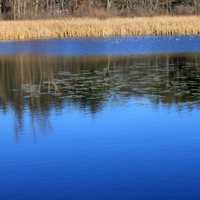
(88, 27)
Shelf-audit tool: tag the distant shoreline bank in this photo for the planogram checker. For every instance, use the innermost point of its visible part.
(91, 27)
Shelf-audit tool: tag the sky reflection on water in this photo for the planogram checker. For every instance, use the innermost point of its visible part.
(117, 46)
(100, 127)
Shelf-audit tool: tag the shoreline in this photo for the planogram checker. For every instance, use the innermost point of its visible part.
(93, 27)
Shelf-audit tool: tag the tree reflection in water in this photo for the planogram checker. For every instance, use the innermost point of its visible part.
(40, 83)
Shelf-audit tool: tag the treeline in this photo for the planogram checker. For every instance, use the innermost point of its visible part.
(22, 9)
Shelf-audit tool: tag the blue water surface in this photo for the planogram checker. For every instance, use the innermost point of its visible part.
(104, 46)
(124, 152)
(100, 128)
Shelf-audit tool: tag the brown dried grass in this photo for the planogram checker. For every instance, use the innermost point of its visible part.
(88, 27)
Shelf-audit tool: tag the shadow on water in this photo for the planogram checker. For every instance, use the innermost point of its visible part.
(42, 83)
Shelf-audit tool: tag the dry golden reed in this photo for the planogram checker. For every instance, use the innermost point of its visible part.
(88, 27)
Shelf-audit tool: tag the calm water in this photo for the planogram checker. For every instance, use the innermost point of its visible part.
(79, 121)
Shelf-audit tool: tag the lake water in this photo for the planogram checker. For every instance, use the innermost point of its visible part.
(100, 119)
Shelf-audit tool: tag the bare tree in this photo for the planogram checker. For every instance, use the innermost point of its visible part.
(19, 9)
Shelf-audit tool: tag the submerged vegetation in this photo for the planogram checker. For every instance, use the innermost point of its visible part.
(40, 84)
(87, 27)
(43, 82)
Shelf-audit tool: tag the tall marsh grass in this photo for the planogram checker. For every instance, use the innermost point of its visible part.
(88, 27)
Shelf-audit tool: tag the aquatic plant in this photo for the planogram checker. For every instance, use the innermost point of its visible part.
(87, 27)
